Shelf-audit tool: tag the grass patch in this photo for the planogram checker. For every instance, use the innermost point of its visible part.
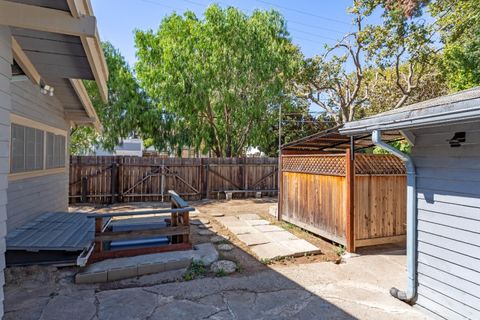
(340, 250)
(195, 270)
(220, 273)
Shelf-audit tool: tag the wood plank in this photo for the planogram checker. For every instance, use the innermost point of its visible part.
(136, 234)
(379, 241)
(350, 200)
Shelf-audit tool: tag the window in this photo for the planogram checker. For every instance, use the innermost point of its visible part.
(55, 151)
(35, 149)
(26, 149)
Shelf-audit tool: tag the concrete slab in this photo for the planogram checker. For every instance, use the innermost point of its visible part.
(230, 221)
(270, 250)
(268, 228)
(299, 246)
(243, 230)
(280, 236)
(252, 239)
(248, 216)
(257, 222)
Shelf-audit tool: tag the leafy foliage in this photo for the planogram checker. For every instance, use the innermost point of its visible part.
(83, 140)
(220, 78)
(459, 22)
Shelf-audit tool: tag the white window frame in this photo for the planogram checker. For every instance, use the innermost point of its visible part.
(22, 121)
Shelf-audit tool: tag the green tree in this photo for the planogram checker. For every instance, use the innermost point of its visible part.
(218, 77)
(128, 111)
(459, 22)
(383, 92)
(83, 140)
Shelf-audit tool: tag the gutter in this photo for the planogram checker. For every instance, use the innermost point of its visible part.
(410, 294)
(468, 114)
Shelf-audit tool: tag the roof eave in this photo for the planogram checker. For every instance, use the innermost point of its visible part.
(82, 94)
(431, 120)
(92, 47)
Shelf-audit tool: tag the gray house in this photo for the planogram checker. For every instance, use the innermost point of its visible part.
(443, 218)
(46, 48)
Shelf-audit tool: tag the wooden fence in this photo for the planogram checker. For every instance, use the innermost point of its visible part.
(110, 179)
(315, 195)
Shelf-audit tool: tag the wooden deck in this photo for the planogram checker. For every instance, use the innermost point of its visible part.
(53, 231)
(52, 238)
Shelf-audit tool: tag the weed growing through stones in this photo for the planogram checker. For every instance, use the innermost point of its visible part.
(195, 270)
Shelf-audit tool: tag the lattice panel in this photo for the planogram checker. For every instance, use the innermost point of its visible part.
(378, 164)
(365, 164)
(324, 164)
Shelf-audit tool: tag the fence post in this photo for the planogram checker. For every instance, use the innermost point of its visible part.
(279, 186)
(162, 180)
(207, 184)
(113, 182)
(84, 189)
(350, 207)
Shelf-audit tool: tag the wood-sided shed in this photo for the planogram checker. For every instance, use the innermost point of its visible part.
(331, 187)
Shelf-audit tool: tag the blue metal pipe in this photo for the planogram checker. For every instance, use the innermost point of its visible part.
(410, 294)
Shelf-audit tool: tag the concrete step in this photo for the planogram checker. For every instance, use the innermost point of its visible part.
(123, 268)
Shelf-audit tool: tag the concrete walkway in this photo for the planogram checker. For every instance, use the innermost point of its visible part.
(357, 289)
(265, 240)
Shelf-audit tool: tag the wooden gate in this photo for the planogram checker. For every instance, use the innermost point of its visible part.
(110, 179)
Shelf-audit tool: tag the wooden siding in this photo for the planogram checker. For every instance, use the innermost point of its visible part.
(380, 206)
(316, 203)
(147, 178)
(5, 107)
(30, 197)
(448, 181)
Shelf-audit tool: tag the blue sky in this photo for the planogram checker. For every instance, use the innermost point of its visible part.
(312, 24)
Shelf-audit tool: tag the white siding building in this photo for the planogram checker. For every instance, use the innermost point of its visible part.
(444, 230)
(46, 47)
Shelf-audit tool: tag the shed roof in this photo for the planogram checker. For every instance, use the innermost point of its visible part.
(333, 141)
(463, 106)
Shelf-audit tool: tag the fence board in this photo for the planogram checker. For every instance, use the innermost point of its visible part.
(149, 178)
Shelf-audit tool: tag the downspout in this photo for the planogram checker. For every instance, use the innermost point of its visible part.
(411, 292)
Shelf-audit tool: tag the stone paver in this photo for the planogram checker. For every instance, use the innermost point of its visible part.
(225, 247)
(357, 289)
(265, 240)
(226, 266)
(253, 239)
(205, 232)
(218, 239)
(217, 214)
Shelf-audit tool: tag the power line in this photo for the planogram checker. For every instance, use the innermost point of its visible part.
(312, 34)
(303, 12)
(314, 26)
(293, 29)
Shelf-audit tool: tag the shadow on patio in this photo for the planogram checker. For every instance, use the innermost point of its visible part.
(357, 289)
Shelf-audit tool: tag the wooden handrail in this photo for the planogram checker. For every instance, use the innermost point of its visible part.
(139, 213)
(179, 202)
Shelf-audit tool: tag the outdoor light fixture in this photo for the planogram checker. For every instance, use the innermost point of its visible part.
(457, 140)
(46, 89)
